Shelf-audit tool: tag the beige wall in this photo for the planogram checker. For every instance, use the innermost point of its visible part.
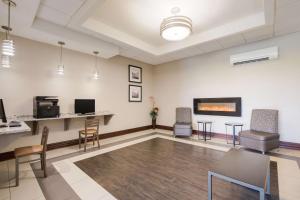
(33, 73)
(272, 84)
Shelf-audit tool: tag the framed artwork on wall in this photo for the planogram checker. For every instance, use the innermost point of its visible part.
(135, 93)
(134, 74)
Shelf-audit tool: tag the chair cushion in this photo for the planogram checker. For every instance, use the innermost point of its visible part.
(89, 131)
(183, 125)
(29, 150)
(257, 135)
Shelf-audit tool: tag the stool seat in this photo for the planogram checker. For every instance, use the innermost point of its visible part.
(28, 150)
(90, 131)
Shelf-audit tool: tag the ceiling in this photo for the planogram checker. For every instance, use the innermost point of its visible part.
(131, 27)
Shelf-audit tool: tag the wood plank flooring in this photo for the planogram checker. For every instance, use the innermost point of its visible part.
(164, 169)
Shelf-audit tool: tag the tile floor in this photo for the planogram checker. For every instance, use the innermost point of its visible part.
(288, 170)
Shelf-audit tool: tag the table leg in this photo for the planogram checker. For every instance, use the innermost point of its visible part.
(198, 131)
(268, 181)
(261, 195)
(209, 186)
(233, 130)
(204, 131)
(35, 127)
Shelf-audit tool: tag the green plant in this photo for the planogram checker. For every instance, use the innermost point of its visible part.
(154, 113)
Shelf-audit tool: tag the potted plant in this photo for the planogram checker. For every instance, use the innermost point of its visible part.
(153, 112)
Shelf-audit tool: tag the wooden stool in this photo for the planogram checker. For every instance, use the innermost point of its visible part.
(91, 129)
(33, 150)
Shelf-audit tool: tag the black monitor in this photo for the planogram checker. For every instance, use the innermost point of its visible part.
(2, 112)
(84, 106)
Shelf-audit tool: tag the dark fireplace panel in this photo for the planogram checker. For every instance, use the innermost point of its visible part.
(218, 106)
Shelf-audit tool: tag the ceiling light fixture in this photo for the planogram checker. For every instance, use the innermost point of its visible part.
(177, 27)
(60, 67)
(96, 75)
(8, 48)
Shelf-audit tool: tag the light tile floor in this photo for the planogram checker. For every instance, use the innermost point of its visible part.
(288, 171)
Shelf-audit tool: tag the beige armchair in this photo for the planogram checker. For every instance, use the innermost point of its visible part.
(263, 134)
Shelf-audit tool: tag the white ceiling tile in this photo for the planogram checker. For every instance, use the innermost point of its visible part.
(68, 7)
(209, 46)
(287, 19)
(261, 33)
(281, 3)
(53, 15)
(231, 41)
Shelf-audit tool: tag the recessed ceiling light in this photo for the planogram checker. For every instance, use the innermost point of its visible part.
(176, 27)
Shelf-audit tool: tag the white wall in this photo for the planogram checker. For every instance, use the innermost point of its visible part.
(33, 74)
(272, 84)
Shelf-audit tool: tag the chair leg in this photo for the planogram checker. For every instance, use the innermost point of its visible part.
(42, 161)
(79, 141)
(93, 139)
(17, 171)
(85, 141)
(98, 140)
(44, 165)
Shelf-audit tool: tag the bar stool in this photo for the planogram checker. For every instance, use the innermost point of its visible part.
(91, 129)
(33, 150)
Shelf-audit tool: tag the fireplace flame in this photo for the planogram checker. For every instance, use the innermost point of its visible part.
(222, 107)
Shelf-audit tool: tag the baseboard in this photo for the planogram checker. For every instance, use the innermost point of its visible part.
(282, 144)
(289, 145)
(10, 154)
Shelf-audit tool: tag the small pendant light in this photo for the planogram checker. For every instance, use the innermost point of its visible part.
(8, 48)
(96, 75)
(60, 68)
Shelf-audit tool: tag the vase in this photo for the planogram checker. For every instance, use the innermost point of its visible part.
(153, 123)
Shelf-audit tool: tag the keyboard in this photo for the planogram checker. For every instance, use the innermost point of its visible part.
(14, 124)
(3, 126)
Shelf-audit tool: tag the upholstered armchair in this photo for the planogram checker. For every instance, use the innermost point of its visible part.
(183, 124)
(263, 134)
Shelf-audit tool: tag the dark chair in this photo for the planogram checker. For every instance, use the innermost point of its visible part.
(263, 134)
(183, 124)
(91, 130)
(33, 150)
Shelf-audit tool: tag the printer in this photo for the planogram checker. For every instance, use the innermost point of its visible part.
(45, 107)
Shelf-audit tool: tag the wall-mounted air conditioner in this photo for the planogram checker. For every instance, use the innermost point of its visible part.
(254, 56)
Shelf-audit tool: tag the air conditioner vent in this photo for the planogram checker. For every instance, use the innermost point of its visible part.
(250, 61)
(254, 56)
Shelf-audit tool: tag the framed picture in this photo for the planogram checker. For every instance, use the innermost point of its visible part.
(135, 93)
(134, 74)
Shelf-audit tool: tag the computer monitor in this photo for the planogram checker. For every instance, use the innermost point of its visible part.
(2, 112)
(84, 106)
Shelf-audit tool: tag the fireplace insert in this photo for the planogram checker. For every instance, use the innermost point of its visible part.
(218, 106)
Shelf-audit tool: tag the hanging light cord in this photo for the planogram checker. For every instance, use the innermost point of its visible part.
(96, 61)
(8, 21)
(61, 49)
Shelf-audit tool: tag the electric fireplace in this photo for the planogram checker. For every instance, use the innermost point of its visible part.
(218, 106)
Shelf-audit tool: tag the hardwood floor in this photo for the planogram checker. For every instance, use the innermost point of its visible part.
(164, 169)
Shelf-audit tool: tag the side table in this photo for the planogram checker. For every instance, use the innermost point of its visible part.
(233, 125)
(204, 129)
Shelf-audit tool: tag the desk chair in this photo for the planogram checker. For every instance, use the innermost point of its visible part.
(91, 129)
(33, 150)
